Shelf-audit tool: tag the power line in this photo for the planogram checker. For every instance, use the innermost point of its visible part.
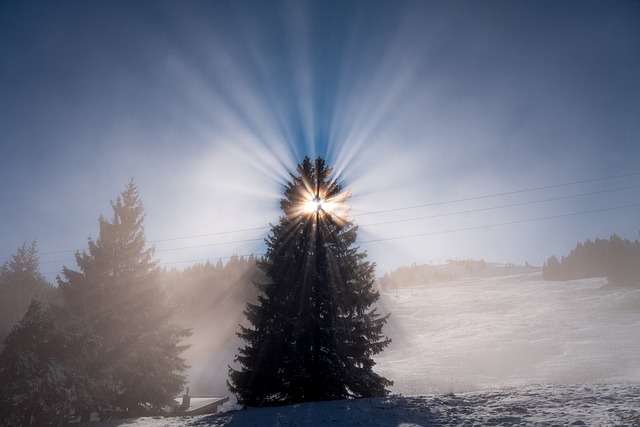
(161, 264)
(176, 249)
(433, 233)
(393, 210)
(499, 207)
(402, 220)
(210, 244)
(219, 233)
(257, 254)
(506, 193)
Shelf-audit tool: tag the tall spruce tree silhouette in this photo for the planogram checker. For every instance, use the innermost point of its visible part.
(313, 332)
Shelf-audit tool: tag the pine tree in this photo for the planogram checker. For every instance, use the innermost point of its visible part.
(313, 332)
(119, 295)
(20, 283)
(36, 390)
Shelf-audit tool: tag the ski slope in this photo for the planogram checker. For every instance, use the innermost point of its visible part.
(507, 330)
(496, 347)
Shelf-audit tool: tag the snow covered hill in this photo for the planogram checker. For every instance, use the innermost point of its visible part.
(510, 330)
(505, 348)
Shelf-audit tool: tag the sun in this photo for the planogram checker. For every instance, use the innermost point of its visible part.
(314, 205)
(321, 206)
(326, 203)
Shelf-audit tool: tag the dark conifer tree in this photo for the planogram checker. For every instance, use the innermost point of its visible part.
(36, 388)
(119, 294)
(313, 332)
(20, 283)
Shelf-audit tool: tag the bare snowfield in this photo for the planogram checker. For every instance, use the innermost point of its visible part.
(499, 348)
(508, 330)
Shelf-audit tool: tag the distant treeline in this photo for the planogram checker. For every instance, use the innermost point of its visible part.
(425, 273)
(615, 258)
(204, 290)
(211, 299)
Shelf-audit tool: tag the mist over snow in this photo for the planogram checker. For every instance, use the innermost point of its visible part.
(502, 326)
(491, 346)
(508, 330)
(515, 350)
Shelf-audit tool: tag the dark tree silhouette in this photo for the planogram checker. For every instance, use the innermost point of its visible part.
(615, 258)
(36, 390)
(119, 294)
(20, 283)
(313, 332)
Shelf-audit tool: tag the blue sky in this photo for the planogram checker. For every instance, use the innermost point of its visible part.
(209, 105)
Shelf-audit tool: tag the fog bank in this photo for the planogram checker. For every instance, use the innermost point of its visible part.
(510, 330)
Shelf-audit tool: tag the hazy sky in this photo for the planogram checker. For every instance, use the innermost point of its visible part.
(210, 104)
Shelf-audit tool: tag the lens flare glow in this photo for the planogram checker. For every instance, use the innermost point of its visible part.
(324, 207)
(314, 205)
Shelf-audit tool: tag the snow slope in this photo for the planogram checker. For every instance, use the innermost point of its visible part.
(499, 348)
(510, 330)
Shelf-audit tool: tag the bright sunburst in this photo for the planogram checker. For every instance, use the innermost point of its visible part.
(314, 205)
(326, 207)
(317, 198)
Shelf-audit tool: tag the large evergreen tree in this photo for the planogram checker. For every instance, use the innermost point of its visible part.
(314, 330)
(117, 292)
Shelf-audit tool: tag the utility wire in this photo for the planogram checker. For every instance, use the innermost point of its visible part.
(161, 264)
(210, 244)
(433, 233)
(409, 219)
(219, 233)
(507, 193)
(210, 259)
(497, 207)
(394, 210)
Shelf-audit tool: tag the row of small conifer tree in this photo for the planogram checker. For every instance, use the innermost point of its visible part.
(615, 258)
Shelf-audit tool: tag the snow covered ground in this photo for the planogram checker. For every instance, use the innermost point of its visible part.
(510, 330)
(559, 405)
(499, 348)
